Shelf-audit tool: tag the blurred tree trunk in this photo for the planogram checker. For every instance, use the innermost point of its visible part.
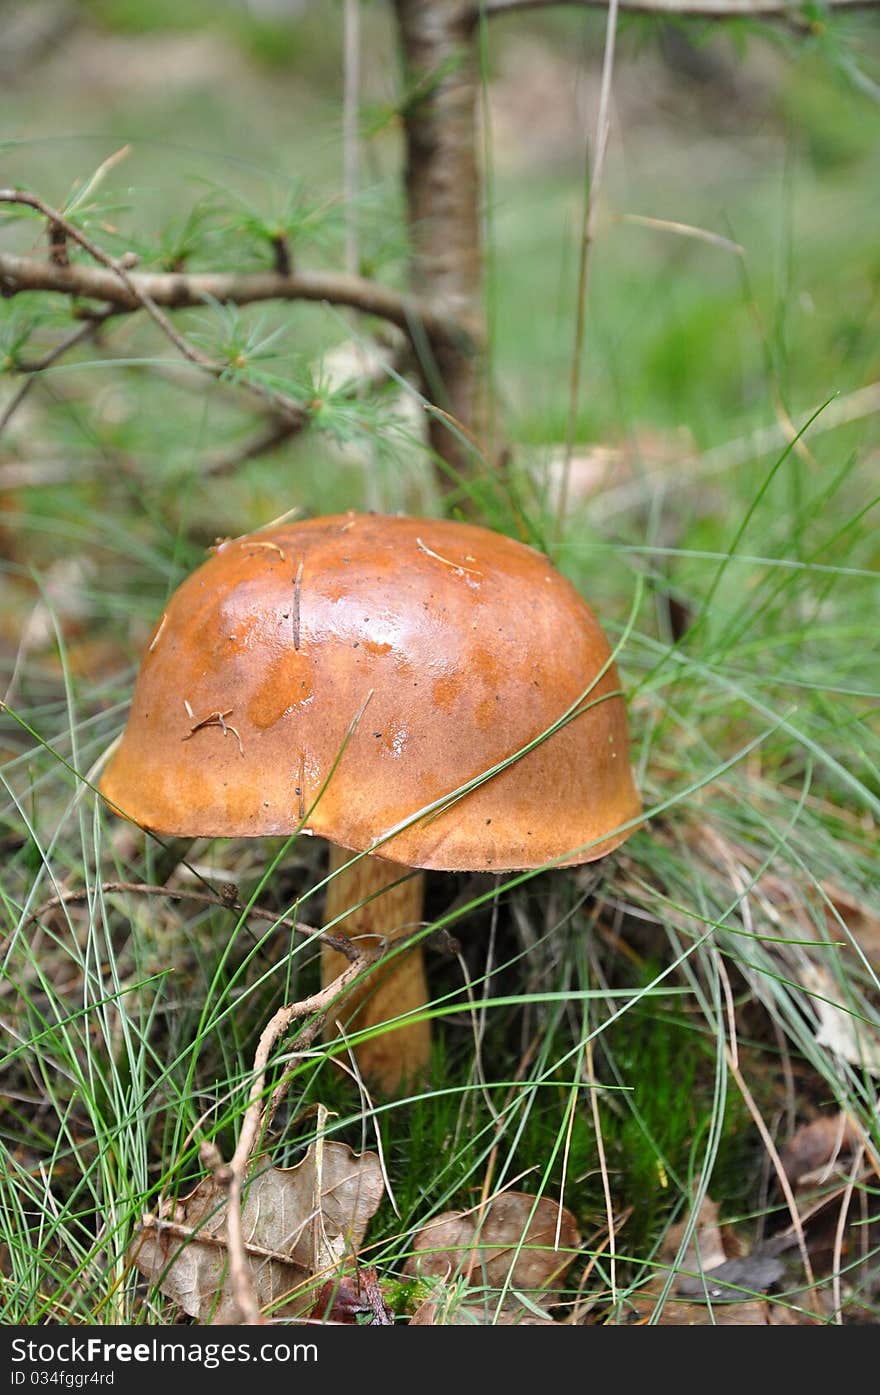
(443, 203)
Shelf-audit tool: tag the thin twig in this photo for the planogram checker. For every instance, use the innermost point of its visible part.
(230, 903)
(206, 1237)
(116, 265)
(779, 1169)
(125, 291)
(121, 281)
(307, 1033)
(240, 1277)
(854, 1173)
(603, 1166)
(180, 291)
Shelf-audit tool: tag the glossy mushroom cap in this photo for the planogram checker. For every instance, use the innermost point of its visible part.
(457, 647)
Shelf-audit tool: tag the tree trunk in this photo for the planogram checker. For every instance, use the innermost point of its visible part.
(443, 205)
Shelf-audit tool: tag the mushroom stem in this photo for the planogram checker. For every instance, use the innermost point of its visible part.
(380, 909)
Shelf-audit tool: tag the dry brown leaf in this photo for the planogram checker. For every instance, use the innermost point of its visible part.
(298, 1223)
(841, 1031)
(707, 1248)
(509, 1246)
(817, 1146)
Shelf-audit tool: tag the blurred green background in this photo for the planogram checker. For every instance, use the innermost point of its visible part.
(759, 135)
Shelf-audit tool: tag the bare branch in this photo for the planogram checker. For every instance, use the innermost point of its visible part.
(240, 1277)
(59, 226)
(259, 1115)
(204, 1237)
(120, 282)
(788, 10)
(256, 1117)
(123, 290)
(176, 290)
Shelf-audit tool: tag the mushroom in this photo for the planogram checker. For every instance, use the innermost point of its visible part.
(372, 680)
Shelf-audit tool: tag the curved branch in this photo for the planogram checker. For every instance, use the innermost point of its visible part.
(120, 280)
(258, 1116)
(176, 290)
(686, 9)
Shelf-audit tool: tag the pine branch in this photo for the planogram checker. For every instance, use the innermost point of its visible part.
(276, 430)
(124, 291)
(127, 291)
(120, 281)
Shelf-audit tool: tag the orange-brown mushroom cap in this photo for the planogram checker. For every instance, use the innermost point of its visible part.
(458, 647)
